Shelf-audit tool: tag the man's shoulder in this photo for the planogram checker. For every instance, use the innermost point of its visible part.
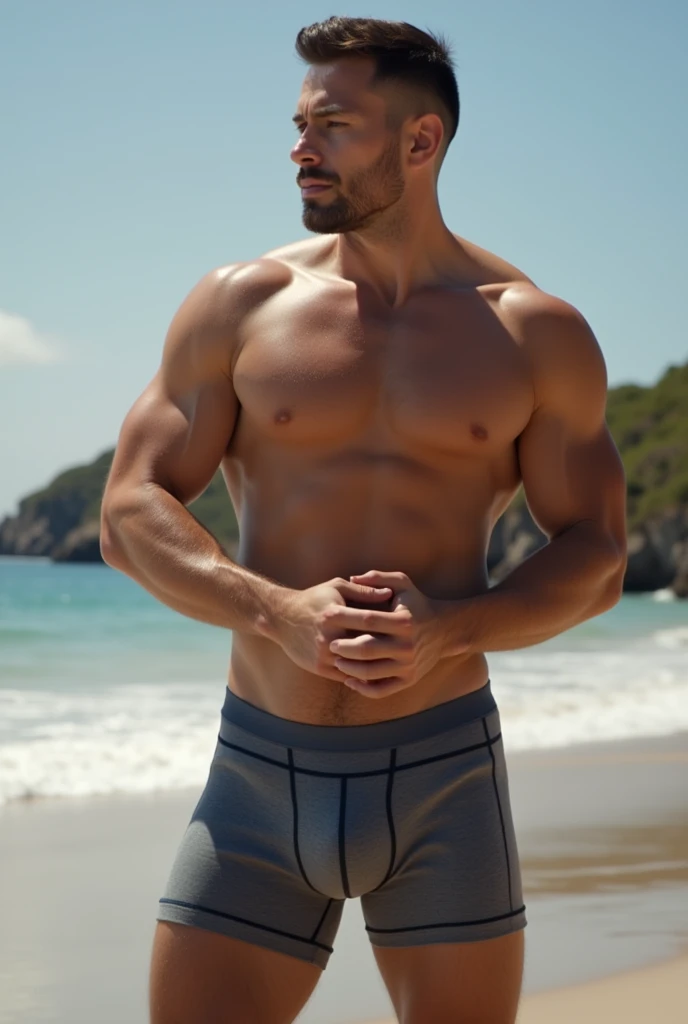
(559, 343)
(491, 270)
(532, 313)
(249, 279)
(545, 320)
(305, 254)
(247, 283)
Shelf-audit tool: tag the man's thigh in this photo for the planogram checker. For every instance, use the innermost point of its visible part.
(202, 977)
(461, 983)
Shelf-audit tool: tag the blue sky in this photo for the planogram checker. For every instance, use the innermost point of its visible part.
(144, 143)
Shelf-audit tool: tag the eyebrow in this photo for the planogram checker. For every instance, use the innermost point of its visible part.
(333, 108)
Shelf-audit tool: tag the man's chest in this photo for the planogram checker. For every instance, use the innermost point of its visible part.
(443, 372)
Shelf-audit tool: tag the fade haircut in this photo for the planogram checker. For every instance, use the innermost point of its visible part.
(401, 52)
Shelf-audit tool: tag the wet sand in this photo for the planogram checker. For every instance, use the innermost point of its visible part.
(603, 836)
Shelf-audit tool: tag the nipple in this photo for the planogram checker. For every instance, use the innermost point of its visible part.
(478, 432)
(283, 416)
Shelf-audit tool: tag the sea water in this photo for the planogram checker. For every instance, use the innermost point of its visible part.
(103, 689)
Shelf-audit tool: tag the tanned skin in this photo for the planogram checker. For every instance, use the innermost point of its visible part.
(374, 397)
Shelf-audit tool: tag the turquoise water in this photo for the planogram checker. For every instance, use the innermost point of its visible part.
(104, 689)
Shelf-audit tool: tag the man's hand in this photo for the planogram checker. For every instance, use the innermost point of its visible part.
(393, 649)
(307, 621)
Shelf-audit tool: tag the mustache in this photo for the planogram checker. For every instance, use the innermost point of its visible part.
(315, 176)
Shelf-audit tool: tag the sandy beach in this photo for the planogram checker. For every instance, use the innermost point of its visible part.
(652, 993)
(603, 835)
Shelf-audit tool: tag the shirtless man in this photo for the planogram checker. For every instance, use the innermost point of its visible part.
(375, 396)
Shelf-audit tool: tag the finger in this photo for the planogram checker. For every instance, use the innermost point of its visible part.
(382, 688)
(366, 620)
(361, 592)
(377, 578)
(367, 648)
(383, 668)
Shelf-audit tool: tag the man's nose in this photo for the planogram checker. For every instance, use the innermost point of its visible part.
(304, 153)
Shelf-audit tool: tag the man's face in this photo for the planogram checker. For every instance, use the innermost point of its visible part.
(349, 158)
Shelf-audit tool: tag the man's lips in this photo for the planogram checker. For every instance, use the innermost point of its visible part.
(312, 186)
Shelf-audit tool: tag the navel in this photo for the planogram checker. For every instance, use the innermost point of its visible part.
(479, 432)
(283, 416)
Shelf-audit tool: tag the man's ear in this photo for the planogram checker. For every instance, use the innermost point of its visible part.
(427, 133)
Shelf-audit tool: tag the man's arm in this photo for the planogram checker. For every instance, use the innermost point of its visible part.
(170, 446)
(575, 488)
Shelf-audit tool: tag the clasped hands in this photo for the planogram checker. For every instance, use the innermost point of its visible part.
(385, 651)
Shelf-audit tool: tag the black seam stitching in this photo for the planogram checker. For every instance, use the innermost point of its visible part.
(342, 838)
(448, 924)
(322, 920)
(243, 920)
(390, 819)
(501, 815)
(297, 851)
(362, 775)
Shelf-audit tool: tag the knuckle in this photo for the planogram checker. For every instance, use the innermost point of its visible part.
(321, 648)
(369, 620)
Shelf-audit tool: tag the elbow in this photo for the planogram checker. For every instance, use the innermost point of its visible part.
(611, 593)
(109, 549)
(613, 582)
(111, 546)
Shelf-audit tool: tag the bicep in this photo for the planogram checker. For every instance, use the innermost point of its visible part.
(569, 477)
(177, 431)
(570, 466)
(175, 441)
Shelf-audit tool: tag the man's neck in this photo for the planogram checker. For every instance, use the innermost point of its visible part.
(406, 248)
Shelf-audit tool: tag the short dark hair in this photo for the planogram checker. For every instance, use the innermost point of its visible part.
(401, 51)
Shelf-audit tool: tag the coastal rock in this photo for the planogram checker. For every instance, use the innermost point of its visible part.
(40, 525)
(25, 535)
(680, 584)
(82, 544)
(514, 538)
(648, 567)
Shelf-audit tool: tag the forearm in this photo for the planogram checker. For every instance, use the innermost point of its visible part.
(576, 576)
(153, 538)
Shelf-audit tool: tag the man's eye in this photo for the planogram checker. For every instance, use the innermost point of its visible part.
(330, 124)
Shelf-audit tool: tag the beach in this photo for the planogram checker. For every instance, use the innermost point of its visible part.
(603, 838)
(109, 710)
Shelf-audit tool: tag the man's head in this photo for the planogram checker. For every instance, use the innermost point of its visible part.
(379, 103)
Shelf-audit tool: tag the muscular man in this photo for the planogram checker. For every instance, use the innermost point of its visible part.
(375, 396)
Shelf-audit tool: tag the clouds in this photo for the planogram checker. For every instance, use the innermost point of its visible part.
(21, 343)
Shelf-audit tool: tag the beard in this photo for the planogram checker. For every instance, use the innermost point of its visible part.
(371, 192)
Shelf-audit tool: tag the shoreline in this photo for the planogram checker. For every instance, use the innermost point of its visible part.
(603, 839)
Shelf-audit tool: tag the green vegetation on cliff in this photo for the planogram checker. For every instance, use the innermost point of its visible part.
(80, 487)
(650, 428)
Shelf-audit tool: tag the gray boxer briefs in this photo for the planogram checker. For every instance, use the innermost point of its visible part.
(411, 814)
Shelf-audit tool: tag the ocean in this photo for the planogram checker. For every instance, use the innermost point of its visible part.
(105, 690)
